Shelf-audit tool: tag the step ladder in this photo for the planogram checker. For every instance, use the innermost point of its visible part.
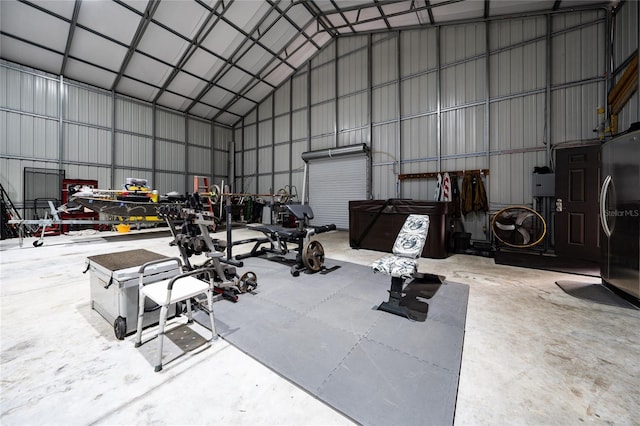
(201, 186)
(9, 212)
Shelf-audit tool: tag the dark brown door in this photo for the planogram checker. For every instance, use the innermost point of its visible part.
(577, 225)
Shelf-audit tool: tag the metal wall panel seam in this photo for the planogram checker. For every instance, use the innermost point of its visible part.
(273, 140)
(399, 114)
(335, 93)
(487, 112)
(187, 166)
(113, 139)
(291, 131)
(30, 114)
(154, 146)
(370, 93)
(212, 169)
(60, 123)
(439, 98)
(37, 73)
(309, 105)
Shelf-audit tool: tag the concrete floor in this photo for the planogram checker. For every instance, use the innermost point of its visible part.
(532, 354)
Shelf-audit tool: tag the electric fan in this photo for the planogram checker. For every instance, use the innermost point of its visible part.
(519, 226)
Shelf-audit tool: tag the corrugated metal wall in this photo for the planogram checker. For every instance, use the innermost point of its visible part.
(51, 123)
(626, 41)
(497, 95)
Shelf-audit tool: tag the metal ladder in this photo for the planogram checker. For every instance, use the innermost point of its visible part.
(201, 185)
(9, 212)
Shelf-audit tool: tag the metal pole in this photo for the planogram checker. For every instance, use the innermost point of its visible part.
(399, 113)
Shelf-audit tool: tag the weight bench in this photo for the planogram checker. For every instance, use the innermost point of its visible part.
(403, 265)
(310, 254)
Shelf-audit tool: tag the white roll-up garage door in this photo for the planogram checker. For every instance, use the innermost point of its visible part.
(333, 182)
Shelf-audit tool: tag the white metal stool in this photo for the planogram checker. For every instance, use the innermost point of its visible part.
(180, 288)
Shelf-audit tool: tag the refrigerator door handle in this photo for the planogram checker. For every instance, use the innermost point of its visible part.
(603, 201)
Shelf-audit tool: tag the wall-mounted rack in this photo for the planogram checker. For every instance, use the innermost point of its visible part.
(428, 175)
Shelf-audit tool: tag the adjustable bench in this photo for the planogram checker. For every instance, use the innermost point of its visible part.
(310, 254)
(403, 264)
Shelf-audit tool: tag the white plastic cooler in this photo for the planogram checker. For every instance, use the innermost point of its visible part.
(114, 287)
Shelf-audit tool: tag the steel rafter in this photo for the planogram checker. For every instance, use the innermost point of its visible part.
(432, 21)
(296, 26)
(152, 6)
(486, 9)
(335, 6)
(251, 84)
(386, 21)
(72, 28)
(392, 15)
(320, 17)
(230, 64)
(250, 36)
(194, 44)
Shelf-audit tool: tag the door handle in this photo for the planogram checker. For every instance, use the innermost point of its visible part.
(603, 200)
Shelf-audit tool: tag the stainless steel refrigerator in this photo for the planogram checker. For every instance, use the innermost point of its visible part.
(620, 212)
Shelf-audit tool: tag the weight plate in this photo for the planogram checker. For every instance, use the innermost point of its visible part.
(248, 281)
(313, 256)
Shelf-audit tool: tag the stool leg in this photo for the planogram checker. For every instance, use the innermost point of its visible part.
(189, 312)
(163, 320)
(214, 333)
(141, 298)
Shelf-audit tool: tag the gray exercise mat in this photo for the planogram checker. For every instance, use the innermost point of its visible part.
(323, 333)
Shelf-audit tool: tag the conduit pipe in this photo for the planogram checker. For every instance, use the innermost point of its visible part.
(360, 148)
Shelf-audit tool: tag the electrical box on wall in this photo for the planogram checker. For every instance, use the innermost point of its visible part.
(544, 185)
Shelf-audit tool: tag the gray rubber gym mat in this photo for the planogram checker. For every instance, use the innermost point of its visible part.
(323, 333)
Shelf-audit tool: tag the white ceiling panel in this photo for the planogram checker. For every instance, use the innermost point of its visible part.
(173, 101)
(300, 57)
(147, 69)
(279, 35)
(246, 14)
(241, 106)
(187, 85)
(23, 53)
(33, 25)
(405, 20)
(97, 50)
(204, 64)
(259, 92)
(137, 89)
(505, 7)
(110, 19)
(217, 96)
(280, 74)
(63, 8)
(369, 13)
(228, 119)
(205, 111)
(458, 11)
(234, 79)
(223, 39)
(86, 73)
(255, 58)
(162, 44)
(139, 5)
(185, 17)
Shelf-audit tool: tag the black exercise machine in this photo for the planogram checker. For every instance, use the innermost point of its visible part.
(309, 253)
